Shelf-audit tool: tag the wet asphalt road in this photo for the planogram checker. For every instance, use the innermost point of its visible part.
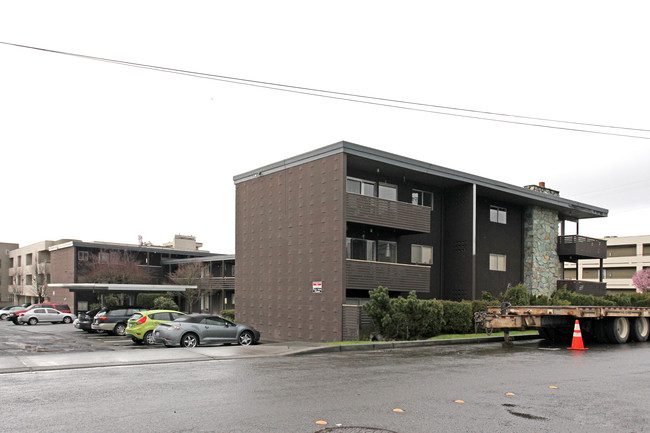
(56, 338)
(602, 389)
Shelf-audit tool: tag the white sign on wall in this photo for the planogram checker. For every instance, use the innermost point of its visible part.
(317, 287)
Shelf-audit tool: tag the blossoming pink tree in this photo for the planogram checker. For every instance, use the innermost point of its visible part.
(641, 280)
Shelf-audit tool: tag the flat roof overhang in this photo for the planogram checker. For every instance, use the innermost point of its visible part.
(398, 166)
(119, 288)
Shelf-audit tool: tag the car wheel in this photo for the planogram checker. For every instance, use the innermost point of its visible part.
(67, 319)
(148, 339)
(245, 338)
(3, 316)
(120, 329)
(189, 340)
(32, 321)
(136, 340)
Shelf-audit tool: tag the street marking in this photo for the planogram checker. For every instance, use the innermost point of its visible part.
(459, 401)
(510, 393)
(553, 387)
(398, 410)
(321, 422)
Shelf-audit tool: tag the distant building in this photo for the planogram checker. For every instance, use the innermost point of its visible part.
(5, 280)
(316, 232)
(625, 256)
(62, 261)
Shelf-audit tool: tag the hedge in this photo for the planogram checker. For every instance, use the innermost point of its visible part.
(411, 318)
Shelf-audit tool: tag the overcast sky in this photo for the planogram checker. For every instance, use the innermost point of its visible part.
(104, 152)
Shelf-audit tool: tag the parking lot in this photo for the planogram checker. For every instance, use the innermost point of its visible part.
(58, 338)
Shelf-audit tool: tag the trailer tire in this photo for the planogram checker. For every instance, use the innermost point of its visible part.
(617, 329)
(640, 329)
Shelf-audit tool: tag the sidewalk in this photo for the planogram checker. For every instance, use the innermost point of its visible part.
(73, 360)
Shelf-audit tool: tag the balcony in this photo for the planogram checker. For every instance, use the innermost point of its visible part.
(575, 247)
(583, 287)
(387, 213)
(217, 283)
(367, 275)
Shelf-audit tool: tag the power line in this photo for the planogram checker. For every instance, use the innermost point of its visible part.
(364, 99)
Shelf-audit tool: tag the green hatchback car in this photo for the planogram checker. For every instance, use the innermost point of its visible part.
(141, 325)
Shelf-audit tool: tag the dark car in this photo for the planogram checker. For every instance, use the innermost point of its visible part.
(114, 319)
(195, 329)
(85, 320)
(13, 316)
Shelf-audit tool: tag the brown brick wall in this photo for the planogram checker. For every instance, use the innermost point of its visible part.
(62, 264)
(290, 232)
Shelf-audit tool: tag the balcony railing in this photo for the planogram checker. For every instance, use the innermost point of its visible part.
(217, 283)
(583, 287)
(366, 275)
(575, 247)
(387, 213)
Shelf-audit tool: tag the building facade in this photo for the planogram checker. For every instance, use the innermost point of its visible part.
(30, 270)
(6, 298)
(625, 256)
(318, 231)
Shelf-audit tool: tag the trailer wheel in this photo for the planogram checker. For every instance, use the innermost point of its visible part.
(617, 329)
(640, 329)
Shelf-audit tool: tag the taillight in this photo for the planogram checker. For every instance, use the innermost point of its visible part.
(175, 327)
(22, 314)
(102, 318)
(142, 320)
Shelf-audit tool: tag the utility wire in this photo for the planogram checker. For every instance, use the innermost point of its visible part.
(350, 97)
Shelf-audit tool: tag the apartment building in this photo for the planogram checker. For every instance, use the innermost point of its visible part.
(625, 256)
(30, 270)
(316, 232)
(5, 281)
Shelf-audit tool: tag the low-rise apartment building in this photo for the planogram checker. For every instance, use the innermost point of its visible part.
(316, 232)
(5, 281)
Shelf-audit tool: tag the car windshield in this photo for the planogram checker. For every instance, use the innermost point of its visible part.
(136, 316)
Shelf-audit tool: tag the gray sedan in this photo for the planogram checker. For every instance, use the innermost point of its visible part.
(195, 329)
(36, 315)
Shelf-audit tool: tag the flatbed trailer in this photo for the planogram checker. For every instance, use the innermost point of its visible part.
(615, 325)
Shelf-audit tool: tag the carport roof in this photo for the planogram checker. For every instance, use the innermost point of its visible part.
(120, 288)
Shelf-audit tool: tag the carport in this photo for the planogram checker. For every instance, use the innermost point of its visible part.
(102, 289)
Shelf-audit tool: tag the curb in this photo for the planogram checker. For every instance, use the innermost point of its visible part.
(406, 344)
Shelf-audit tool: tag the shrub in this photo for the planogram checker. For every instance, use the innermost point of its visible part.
(164, 303)
(228, 314)
(458, 317)
(146, 300)
(518, 295)
(401, 318)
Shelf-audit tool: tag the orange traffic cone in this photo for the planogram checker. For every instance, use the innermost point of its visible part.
(577, 338)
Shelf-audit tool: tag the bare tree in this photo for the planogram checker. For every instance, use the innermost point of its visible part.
(190, 274)
(39, 280)
(113, 267)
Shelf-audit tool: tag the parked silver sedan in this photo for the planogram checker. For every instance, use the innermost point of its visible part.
(32, 317)
(195, 329)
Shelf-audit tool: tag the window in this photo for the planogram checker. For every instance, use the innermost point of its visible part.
(387, 191)
(161, 316)
(215, 321)
(387, 251)
(104, 257)
(28, 259)
(497, 262)
(360, 186)
(498, 215)
(360, 249)
(422, 198)
(20, 261)
(422, 254)
(28, 280)
(82, 256)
